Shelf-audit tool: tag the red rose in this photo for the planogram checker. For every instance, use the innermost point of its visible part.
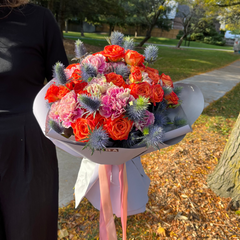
(81, 128)
(115, 79)
(72, 65)
(136, 75)
(143, 89)
(153, 74)
(134, 58)
(114, 53)
(52, 93)
(172, 98)
(119, 128)
(166, 80)
(78, 88)
(157, 94)
(63, 90)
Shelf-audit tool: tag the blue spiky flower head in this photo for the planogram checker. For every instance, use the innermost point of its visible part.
(152, 136)
(88, 71)
(161, 119)
(136, 109)
(116, 38)
(59, 73)
(122, 70)
(80, 49)
(151, 53)
(179, 122)
(57, 127)
(177, 89)
(128, 43)
(91, 104)
(167, 90)
(98, 139)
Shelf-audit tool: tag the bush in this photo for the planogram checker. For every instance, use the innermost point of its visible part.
(197, 36)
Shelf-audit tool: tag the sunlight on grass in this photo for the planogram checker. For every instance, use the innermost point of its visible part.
(197, 60)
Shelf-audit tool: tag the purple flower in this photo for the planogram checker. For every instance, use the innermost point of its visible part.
(146, 121)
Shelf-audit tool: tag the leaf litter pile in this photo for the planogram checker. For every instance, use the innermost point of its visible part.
(180, 206)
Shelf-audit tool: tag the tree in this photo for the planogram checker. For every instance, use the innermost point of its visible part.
(225, 179)
(189, 18)
(227, 10)
(151, 11)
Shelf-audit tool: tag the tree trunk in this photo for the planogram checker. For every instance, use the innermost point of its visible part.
(180, 41)
(81, 27)
(150, 28)
(225, 179)
(66, 25)
(111, 29)
(50, 5)
(61, 17)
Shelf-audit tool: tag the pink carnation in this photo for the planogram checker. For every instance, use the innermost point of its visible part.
(66, 110)
(110, 67)
(146, 121)
(97, 61)
(115, 102)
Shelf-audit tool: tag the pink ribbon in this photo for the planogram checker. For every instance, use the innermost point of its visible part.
(107, 229)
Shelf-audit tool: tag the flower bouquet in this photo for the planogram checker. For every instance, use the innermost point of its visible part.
(111, 102)
(111, 107)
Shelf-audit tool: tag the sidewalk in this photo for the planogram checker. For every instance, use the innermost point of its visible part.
(213, 85)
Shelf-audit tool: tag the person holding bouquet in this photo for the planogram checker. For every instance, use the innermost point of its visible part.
(30, 44)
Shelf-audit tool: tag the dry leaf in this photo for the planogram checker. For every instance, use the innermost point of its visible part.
(62, 233)
(161, 231)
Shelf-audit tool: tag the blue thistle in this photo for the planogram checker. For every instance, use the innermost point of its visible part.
(116, 38)
(91, 104)
(59, 73)
(161, 119)
(167, 90)
(56, 126)
(152, 136)
(128, 44)
(151, 53)
(80, 49)
(98, 139)
(133, 139)
(179, 122)
(136, 109)
(177, 89)
(122, 70)
(88, 71)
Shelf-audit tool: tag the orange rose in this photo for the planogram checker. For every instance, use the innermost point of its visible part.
(70, 85)
(115, 79)
(166, 80)
(153, 74)
(98, 120)
(63, 90)
(52, 93)
(114, 53)
(72, 65)
(119, 128)
(157, 94)
(81, 128)
(76, 75)
(172, 98)
(136, 75)
(143, 89)
(134, 58)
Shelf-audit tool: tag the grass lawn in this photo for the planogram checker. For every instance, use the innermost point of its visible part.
(156, 40)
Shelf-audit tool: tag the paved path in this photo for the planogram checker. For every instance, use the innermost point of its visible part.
(213, 85)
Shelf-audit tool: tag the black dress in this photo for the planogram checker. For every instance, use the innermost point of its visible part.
(30, 44)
